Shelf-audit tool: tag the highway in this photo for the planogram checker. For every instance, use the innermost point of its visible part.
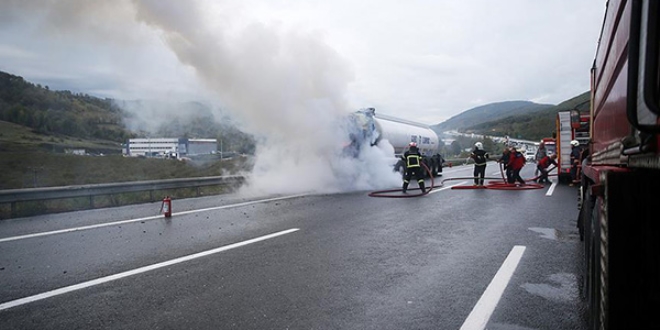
(453, 259)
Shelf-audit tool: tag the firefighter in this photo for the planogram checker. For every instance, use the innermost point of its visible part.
(516, 163)
(542, 167)
(504, 160)
(541, 152)
(576, 153)
(413, 161)
(480, 156)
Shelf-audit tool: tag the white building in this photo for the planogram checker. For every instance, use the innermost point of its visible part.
(162, 147)
(153, 147)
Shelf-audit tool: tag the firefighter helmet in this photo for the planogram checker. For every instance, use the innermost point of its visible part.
(478, 145)
(412, 144)
(575, 143)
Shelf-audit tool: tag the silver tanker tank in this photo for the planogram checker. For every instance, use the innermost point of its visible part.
(368, 126)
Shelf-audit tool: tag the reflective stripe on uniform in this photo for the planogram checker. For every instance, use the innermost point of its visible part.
(410, 158)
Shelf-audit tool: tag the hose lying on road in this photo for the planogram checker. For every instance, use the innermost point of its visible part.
(494, 185)
(390, 193)
(503, 185)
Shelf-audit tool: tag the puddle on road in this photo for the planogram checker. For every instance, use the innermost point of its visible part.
(562, 287)
(554, 234)
(549, 233)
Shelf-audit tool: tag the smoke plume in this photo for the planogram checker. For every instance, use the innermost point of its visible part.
(286, 86)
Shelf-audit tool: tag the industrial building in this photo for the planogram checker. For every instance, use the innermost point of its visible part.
(169, 147)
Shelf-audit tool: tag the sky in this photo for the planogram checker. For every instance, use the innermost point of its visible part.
(425, 60)
(288, 70)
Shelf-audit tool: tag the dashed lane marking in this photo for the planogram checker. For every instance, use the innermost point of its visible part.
(484, 308)
(551, 189)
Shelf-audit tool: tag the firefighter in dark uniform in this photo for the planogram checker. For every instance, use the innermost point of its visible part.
(413, 161)
(480, 156)
(504, 161)
(576, 154)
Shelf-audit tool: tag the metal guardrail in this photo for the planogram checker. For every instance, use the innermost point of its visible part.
(14, 196)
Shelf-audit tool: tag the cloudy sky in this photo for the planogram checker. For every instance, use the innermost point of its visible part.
(425, 60)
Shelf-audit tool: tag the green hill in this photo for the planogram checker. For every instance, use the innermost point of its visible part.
(487, 113)
(531, 126)
(60, 117)
(60, 120)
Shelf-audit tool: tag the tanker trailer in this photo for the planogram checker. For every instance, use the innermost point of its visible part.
(368, 128)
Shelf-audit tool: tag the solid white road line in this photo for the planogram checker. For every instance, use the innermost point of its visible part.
(551, 189)
(136, 271)
(484, 308)
(114, 223)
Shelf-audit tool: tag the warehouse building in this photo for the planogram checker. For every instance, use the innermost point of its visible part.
(169, 147)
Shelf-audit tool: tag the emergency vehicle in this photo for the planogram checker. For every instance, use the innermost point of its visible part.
(550, 146)
(571, 126)
(619, 218)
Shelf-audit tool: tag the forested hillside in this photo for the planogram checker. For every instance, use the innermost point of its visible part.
(487, 113)
(59, 112)
(532, 126)
(62, 119)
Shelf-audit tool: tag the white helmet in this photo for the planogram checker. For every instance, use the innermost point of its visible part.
(575, 143)
(412, 144)
(478, 145)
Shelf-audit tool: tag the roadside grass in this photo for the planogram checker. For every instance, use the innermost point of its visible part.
(42, 169)
(18, 138)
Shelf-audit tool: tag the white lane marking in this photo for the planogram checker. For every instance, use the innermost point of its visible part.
(484, 308)
(444, 188)
(114, 223)
(83, 285)
(551, 189)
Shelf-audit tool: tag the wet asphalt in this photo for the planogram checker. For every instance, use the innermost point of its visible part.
(341, 261)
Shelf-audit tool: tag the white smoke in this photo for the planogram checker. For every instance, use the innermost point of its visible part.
(286, 86)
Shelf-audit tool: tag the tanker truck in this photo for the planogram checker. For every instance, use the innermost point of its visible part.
(618, 215)
(369, 129)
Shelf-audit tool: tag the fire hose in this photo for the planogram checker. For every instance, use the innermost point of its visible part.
(388, 193)
(502, 185)
(495, 185)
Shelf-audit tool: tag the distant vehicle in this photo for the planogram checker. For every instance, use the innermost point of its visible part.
(550, 146)
(529, 156)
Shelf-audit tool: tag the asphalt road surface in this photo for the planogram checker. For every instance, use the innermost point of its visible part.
(453, 259)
